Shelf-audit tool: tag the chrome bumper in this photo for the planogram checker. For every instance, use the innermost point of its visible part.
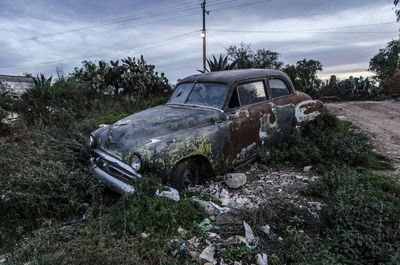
(112, 172)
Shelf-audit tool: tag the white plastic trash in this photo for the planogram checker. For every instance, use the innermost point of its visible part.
(171, 193)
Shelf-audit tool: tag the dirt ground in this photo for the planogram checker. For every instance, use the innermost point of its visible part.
(380, 120)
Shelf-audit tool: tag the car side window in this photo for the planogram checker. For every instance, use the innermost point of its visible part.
(234, 102)
(278, 88)
(251, 93)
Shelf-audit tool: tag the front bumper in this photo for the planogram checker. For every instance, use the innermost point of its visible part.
(112, 172)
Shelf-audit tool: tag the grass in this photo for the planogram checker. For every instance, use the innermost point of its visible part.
(360, 223)
(113, 235)
(44, 183)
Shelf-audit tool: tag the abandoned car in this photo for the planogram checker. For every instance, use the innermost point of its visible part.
(212, 123)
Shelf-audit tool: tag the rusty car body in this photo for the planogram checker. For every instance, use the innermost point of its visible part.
(212, 123)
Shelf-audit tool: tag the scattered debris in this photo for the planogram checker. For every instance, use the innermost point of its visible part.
(182, 231)
(235, 180)
(205, 225)
(10, 118)
(211, 208)
(3, 258)
(170, 193)
(145, 234)
(266, 229)
(307, 169)
(248, 232)
(208, 254)
(262, 259)
(227, 219)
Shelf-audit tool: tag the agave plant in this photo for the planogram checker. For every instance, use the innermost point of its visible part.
(42, 81)
(219, 65)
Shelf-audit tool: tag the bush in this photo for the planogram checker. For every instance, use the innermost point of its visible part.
(43, 177)
(331, 142)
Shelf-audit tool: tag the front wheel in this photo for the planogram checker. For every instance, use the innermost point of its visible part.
(185, 174)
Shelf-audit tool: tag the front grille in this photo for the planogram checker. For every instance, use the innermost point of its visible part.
(114, 166)
(113, 169)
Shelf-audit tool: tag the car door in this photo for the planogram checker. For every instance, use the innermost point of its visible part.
(284, 101)
(248, 104)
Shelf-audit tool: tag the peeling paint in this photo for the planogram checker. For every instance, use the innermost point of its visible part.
(307, 111)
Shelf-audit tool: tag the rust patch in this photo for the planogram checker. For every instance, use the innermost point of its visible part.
(226, 149)
(245, 125)
(295, 99)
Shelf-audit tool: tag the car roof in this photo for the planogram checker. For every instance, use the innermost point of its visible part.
(230, 77)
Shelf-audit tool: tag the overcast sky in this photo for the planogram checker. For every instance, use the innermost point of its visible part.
(38, 36)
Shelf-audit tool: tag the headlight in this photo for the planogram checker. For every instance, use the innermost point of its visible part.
(91, 141)
(136, 164)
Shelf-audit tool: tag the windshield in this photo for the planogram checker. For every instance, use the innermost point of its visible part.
(203, 94)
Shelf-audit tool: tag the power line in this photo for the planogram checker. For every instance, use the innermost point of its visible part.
(180, 36)
(246, 4)
(319, 30)
(146, 15)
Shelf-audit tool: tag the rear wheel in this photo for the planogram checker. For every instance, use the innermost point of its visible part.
(185, 174)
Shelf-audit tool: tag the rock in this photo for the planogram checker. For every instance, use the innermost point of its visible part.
(266, 229)
(225, 219)
(208, 254)
(262, 259)
(248, 232)
(235, 180)
(307, 169)
(212, 218)
(237, 263)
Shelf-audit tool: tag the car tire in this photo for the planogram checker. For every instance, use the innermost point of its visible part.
(185, 174)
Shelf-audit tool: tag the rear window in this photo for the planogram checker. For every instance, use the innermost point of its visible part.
(278, 88)
(251, 93)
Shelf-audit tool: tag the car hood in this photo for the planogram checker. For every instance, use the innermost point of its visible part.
(144, 127)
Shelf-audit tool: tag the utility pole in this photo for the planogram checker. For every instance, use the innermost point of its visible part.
(203, 34)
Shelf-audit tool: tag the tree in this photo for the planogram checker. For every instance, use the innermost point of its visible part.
(241, 56)
(386, 62)
(396, 3)
(307, 72)
(304, 74)
(218, 65)
(267, 59)
(291, 71)
(244, 57)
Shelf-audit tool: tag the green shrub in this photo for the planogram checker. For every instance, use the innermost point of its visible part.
(43, 177)
(330, 142)
(113, 236)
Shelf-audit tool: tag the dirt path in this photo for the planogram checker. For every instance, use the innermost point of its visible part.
(378, 119)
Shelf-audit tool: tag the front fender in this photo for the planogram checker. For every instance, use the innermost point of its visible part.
(161, 155)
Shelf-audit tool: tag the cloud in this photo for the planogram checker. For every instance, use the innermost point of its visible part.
(167, 34)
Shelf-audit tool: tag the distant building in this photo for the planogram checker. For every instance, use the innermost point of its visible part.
(16, 85)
